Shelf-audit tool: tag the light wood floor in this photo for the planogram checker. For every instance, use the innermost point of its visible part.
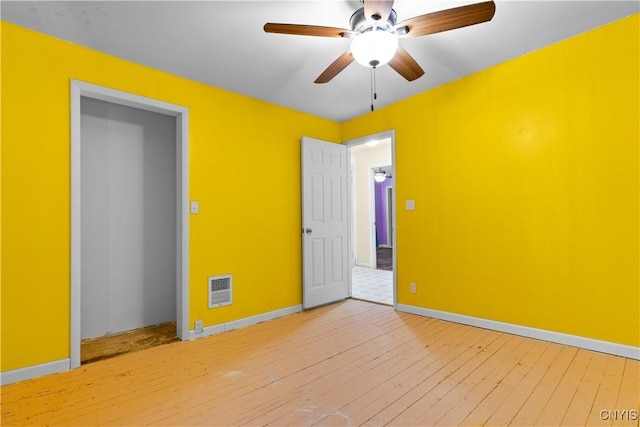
(350, 363)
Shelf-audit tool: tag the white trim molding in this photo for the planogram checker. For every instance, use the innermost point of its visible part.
(247, 321)
(34, 371)
(81, 89)
(387, 134)
(525, 331)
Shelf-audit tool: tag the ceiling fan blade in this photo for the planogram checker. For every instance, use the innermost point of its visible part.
(337, 66)
(306, 30)
(405, 65)
(449, 19)
(377, 10)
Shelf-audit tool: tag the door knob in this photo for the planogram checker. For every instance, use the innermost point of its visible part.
(308, 230)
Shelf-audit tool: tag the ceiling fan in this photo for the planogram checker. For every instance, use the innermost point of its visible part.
(375, 33)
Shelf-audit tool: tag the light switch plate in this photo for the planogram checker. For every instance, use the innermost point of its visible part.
(411, 205)
(194, 207)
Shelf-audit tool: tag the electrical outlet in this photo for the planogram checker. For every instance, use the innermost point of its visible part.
(198, 326)
(412, 288)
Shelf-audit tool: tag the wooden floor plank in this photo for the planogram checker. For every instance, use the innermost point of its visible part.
(352, 363)
(537, 401)
(459, 403)
(244, 378)
(500, 405)
(365, 384)
(578, 411)
(608, 390)
(406, 394)
(493, 371)
(556, 406)
(315, 399)
(311, 379)
(242, 373)
(379, 391)
(629, 398)
(420, 411)
(182, 358)
(110, 374)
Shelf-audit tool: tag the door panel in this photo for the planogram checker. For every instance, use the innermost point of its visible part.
(317, 198)
(317, 262)
(324, 221)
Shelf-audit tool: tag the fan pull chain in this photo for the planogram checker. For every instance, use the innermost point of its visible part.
(374, 90)
(371, 84)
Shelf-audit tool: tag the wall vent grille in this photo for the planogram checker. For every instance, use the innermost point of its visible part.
(220, 291)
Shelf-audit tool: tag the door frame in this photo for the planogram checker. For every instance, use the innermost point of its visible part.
(389, 211)
(390, 134)
(181, 114)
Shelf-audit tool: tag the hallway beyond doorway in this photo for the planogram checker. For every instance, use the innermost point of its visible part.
(372, 285)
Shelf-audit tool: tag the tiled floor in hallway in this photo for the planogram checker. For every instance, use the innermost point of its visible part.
(372, 285)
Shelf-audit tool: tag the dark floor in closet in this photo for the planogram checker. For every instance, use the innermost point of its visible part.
(99, 348)
(385, 259)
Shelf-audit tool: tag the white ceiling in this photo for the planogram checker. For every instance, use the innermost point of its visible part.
(222, 43)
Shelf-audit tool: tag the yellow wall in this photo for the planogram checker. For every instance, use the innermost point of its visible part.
(246, 227)
(525, 177)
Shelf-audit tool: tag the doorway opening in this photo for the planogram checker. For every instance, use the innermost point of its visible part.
(372, 218)
(131, 220)
(385, 253)
(383, 228)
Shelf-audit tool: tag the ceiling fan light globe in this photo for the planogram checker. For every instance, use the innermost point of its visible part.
(374, 48)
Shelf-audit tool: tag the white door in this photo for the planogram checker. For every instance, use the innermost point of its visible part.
(324, 223)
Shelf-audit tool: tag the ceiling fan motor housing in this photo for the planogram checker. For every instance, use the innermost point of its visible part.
(374, 43)
(359, 23)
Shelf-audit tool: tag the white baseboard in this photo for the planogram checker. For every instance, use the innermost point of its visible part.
(34, 371)
(525, 331)
(65, 364)
(541, 334)
(247, 321)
